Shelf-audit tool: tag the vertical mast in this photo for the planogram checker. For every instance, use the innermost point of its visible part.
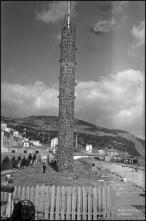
(66, 95)
(68, 14)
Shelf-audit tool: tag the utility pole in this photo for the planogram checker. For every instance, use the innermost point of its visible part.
(76, 140)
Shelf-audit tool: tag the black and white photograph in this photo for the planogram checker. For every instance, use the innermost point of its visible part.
(72, 110)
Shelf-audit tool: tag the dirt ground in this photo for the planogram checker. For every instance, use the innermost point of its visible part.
(82, 175)
(128, 198)
(138, 178)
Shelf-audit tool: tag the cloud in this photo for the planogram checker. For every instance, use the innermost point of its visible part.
(54, 12)
(22, 100)
(112, 19)
(103, 26)
(138, 32)
(115, 101)
(136, 47)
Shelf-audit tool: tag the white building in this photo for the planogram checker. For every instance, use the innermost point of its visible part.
(26, 142)
(89, 148)
(3, 126)
(54, 144)
(35, 143)
(10, 138)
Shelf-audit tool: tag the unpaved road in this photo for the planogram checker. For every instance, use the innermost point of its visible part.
(138, 178)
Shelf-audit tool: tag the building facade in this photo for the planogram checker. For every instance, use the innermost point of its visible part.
(54, 144)
(10, 139)
(89, 148)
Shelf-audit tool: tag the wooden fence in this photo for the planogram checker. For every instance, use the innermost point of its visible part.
(64, 202)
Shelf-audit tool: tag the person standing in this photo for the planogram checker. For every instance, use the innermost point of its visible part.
(44, 168)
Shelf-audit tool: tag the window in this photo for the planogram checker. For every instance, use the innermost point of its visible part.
(13, 151)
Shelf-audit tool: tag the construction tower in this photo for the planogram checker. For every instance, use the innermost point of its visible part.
(66, 95)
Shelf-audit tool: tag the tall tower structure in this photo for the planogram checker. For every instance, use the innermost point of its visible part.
(66, 95)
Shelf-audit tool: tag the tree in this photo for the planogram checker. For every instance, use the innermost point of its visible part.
(19, 158)
(34, 157)
(18, 161)
(23, 162)
(6, 163)
(29, 157)
(27, 162)
(14, 162)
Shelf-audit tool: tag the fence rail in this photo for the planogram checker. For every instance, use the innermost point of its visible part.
(64, 202)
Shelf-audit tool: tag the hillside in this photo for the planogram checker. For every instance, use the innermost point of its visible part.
(45, 128)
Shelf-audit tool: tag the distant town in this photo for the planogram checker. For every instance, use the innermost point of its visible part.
(13, 141)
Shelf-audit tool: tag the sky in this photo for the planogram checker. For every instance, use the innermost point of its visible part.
(110, 41)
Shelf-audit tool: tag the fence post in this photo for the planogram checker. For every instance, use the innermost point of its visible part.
(32, 194)
(36, 200)
(95, 203)
(28, 193)
(63, 202)
(89, 204)
(108, 202)
(41, 201)
(73, 211)
(47, 202)
(58, 203)
(104, 201)
(52, 203)
(19, 192)
(9, 206)
(23, 193)
(99, 199)
(79, 204)
(84, 203)
(68, 215)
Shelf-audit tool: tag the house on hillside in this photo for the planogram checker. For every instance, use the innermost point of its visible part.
(54, 144)
(26, 142)
(130, 160)
(89, 148)
(10, 138)
(35, 143)
(112, 152)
